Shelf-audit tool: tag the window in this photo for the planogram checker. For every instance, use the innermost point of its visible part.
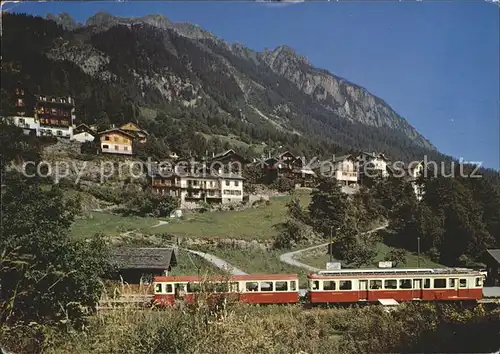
(125, 148)
(158, 288)
(222, 287)
(169, 288)
(193, 288)
(59, 133)
(211, 184)
(391, 284)
(237, 192)
(266, 286)
(293, 285)
(281, 286)
(314, 285)
(228, 183)
(329, 285)
(439, 283)
(234, 287)
(252, 286)
(463, 283)
(115, 139)
(21, 120)
(452, 283)
(405, 284)
(236, 183)
(106, 138)
(375, 284)
(116, 147)
(479, 281)
(427, 283)
(345, 285)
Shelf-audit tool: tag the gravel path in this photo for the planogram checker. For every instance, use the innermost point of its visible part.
(289, 258)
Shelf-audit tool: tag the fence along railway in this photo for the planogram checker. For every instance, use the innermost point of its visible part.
(346, 286)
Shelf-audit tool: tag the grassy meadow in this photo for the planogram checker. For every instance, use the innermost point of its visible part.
(250, 224)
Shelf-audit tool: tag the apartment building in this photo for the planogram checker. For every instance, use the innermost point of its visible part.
(193, 187)
(56, 115)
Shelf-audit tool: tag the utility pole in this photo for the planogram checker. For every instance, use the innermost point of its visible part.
(418, 252)
(331, 244)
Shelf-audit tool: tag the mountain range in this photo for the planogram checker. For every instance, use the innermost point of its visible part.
(195, 91)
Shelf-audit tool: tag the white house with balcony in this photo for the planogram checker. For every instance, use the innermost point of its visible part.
(343, 168)
(371, 165)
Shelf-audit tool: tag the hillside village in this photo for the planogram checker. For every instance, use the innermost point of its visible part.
(218, 178)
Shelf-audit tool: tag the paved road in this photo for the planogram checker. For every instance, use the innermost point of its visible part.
(289, 258)
(216, 261)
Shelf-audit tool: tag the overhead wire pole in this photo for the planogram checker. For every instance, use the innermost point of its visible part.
(418, 252)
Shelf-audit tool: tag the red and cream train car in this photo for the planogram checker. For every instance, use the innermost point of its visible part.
(370, 285)
(251, 289)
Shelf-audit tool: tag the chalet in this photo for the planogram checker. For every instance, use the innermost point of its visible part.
(82, 133)
(192, 187)
(136, 264)
(134, 129)
(116, 141)
(229, 161)
(343, 168)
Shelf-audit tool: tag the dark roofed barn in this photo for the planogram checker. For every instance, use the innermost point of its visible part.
(492, 261)
(135, 263)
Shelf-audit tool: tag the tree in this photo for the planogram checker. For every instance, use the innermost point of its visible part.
(397, 256)
(328, 208)
(44, 275)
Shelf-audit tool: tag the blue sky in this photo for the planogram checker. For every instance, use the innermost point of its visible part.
(435, 63)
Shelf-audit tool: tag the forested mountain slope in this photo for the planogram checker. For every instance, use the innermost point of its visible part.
(178, 80)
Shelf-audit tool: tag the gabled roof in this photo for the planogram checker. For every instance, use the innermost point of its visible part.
(343, 157)
(285, 153)
(224, 153)
(143, 258)
(117, 130)
(136, 128)
(495, 253)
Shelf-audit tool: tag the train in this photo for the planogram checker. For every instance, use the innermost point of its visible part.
(343, 286)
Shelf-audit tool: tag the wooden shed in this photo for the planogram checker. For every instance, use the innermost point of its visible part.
(133, 264)
(492, 261)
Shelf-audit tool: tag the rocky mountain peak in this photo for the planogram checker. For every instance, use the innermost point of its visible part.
(65, 20)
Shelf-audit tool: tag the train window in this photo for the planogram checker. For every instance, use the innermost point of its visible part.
(427, 283)
(234, 287)
(452, 283)
(266, 286)
(281, 286)
(221, 287)
(314, 285)
(391, 284)
(328, 285)
(463, 283)
(375, 284)
(405, 284)
(158, 288)
(345, 285)
(479, 281)
(193, 288)
(293, 285)
(439, 283)
(252, 286)
(169, 288)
